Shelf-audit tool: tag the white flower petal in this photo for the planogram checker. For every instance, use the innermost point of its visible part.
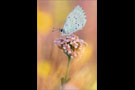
(68, 46)
(64, 47)
(75, 46)
(72, 57)
(69, 52)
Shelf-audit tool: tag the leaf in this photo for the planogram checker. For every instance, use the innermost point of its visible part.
(62, 81)
(68, 80)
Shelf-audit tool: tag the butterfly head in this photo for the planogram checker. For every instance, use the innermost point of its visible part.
(61, 30)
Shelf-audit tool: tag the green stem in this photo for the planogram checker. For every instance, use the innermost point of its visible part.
(66, 74)
(67, 70)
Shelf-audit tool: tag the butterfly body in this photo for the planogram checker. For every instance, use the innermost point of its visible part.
(75, 21)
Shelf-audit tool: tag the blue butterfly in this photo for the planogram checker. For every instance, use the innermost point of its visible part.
(75, 21)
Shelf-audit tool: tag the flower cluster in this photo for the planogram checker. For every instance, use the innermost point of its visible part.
(71, 45)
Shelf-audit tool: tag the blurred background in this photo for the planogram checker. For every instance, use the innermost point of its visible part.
(51, 61)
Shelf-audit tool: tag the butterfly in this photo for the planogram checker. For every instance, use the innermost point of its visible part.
(75, 21)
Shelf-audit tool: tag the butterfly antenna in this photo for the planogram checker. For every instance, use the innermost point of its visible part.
(55, 29)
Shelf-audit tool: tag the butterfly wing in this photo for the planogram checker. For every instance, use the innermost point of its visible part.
(75, 21)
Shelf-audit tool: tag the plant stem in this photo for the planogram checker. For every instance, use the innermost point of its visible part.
(67, 70)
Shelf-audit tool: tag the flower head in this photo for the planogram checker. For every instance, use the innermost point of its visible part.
(71, 45)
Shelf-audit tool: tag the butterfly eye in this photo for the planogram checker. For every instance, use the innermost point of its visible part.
(61, 30)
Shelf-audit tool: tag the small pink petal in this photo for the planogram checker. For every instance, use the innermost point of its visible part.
(75, 46)
(69, 52)
(64, 47)
(68, 46)
(72, 57)
(68, 36)
(73, 38)
(77, 40)
(61, 43)
(82, 41)
(65, 50)
(74, 41)
(67, 40)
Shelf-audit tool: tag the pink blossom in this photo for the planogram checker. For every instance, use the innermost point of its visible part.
(70, 44)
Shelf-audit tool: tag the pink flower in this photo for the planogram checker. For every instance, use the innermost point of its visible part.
(71, 45)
